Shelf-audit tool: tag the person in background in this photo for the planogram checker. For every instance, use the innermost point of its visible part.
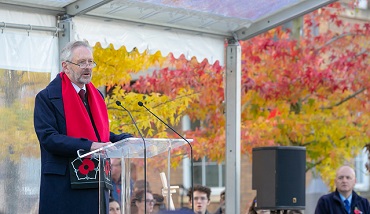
(133, 176)
(139, 185)
(202, 198)
(344, 199)
(221, 209)
(159, 203)
(116, 172)
(114, 207)
(70, 115)
(252, 208)
(140, 202)
(294, 212)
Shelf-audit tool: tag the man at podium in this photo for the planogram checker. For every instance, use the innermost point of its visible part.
(70, 114)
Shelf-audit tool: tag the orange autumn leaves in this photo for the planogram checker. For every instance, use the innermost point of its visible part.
(309, 91)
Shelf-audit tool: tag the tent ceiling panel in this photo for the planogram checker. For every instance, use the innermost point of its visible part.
(240, 9)
(277, 19)
(191, 25)
(170, 17)
(226, 17)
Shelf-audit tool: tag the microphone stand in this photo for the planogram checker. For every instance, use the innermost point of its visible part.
(141, 135)
(191, 151)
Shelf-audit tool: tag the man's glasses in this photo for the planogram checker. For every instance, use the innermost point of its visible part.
(200, 198)
(91, 64)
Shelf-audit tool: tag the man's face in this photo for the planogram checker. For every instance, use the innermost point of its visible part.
(79, 76)
(116, 169)
(200, 202)
(149, 204)
(345, 180)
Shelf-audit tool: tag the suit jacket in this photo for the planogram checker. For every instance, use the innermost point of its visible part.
(332, 204)
(56, 195)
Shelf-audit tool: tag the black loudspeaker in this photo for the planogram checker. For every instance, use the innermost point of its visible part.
(278, 176)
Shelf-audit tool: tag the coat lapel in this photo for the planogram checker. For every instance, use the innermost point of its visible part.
(55, 94)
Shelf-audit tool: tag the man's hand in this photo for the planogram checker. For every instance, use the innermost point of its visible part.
(98, 145)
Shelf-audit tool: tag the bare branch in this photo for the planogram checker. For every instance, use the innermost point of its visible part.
(313, 165)
(345, 99)
(336, 38)
(308, 143)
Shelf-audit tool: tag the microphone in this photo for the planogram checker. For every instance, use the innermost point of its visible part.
(129, 113)
(191, 150)
(141, 135)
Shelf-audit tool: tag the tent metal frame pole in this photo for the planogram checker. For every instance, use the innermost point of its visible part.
(5, 25)
(290, 13)
(233, 124)
(64, 38)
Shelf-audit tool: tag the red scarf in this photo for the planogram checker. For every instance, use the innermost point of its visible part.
(78, 122)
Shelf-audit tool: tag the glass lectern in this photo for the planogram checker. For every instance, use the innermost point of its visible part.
(156, 152)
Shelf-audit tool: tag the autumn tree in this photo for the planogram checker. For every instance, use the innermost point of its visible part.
(18, 138)
(310, 90)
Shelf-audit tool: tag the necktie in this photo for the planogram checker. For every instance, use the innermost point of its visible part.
(82, 94)
(346, 206)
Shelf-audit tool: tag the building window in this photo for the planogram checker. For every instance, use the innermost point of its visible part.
(207, 173)
(362, 176)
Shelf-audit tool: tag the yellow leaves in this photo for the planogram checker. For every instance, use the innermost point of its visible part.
(18, 138)
(16, 112)
(153, 60)
(168, 109)
(115, 66)
(331, 135)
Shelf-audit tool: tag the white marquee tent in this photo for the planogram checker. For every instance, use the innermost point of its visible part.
(31, 32)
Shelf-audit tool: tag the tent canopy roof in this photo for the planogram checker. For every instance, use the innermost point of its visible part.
(241, 19)
(195, 28)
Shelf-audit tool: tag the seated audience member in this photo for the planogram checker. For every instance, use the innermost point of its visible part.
(294, 212)
(116, 172)
(159, 203)
(343, 199)
(180, 211)
(133, 176)
(253, 208)
(140, 202)
(221, 209)
(114, 207)
(139, 185)
(202, 198)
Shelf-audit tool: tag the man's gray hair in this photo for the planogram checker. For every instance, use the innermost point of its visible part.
(66, 53)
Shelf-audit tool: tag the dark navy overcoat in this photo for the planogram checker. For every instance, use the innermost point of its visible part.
(332, 204)
(56, 194)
